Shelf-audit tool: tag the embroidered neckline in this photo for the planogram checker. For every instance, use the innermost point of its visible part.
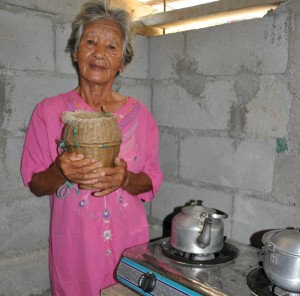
(75, 102)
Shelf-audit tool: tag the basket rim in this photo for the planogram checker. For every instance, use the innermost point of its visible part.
(70, 116)
(95, 145)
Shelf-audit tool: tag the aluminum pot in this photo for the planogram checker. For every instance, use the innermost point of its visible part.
(281, 258)
(198, 229)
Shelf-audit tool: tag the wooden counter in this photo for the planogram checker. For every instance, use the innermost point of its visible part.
(118, 290)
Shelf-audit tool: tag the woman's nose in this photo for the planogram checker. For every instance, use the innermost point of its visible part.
(99, 52)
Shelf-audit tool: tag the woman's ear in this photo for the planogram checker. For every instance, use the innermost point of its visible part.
(74, 56)
(122, 68)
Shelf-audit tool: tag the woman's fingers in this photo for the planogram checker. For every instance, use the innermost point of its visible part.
(84, 171)
(77, 169)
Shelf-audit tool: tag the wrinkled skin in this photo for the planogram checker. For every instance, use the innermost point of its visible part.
(83, 171)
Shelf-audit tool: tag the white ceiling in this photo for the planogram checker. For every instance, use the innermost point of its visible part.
(161, 5)
(156, 17)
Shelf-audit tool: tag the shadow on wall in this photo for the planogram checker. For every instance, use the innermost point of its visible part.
(255, 239)
(167, 223)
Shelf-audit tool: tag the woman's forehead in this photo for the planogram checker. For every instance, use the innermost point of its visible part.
(101, 26)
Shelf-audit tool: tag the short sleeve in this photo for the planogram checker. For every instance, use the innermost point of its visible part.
(152, 163)
(36, 155)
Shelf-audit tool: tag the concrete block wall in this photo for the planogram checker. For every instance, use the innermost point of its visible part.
(225, 98)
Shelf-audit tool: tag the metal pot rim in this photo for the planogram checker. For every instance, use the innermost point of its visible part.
(197, 210)
(285, 241)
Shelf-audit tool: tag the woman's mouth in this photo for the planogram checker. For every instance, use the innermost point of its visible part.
(97, 67)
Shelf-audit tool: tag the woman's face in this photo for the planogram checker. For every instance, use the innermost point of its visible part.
(100, 52)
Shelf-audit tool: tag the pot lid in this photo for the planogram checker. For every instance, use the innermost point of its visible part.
(196, 208)
(285, 241)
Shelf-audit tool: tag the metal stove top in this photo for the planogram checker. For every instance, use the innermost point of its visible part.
(262, 286)
(148, 271)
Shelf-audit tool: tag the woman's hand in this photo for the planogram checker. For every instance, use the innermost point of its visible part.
(102, 181)
(111, 178)
(77, 169)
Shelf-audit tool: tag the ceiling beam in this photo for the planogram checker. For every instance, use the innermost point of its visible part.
(136, 8)
(196, 13)
(140, 29)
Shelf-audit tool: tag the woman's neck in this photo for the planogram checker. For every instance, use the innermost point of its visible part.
(101, 98)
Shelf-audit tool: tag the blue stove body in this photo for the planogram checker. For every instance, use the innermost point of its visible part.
(148, 271)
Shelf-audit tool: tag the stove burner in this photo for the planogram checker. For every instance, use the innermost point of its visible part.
(282, 292)
(200, 257)
(227, 254)
(259, 283)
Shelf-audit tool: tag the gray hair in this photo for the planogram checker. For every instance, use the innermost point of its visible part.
(99, 9)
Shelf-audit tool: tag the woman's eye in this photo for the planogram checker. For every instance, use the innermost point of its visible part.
(110, 46)
(90, 41)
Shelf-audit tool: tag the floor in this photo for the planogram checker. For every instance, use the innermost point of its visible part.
(45, 293)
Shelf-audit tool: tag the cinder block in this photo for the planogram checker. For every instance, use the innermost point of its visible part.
(66, 9)
(138, 68)
(155, 228)
(23, 92)
(220, 161)
(173, 196)
(155, 231)
(252, 215)
(163, 54)
(286, 186)
(135, 88)
(63, 59)
(268, 113)
(25, 275)
(11, 185)
(169, 147)
(147, 206)
(27, 41)
(261, 45)
(174, 106)
(25, 221)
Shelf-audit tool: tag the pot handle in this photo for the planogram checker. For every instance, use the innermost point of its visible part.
(270, 247)
(266, 237)
(219, 215)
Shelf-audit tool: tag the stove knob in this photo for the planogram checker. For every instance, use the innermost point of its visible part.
(147, 282)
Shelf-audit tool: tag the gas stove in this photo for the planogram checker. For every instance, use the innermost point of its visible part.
(262, 286)
(157, 269)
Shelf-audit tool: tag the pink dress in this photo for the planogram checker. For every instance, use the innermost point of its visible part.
(88, 234)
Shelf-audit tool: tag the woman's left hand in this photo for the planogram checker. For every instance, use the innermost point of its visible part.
(111, 178)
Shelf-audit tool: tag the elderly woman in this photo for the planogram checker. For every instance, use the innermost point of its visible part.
(90, 228)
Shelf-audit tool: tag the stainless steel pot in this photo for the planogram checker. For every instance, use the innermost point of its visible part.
(281, 258)
(198, 229)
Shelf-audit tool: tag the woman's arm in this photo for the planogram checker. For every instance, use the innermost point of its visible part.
(69, 166)
(47, 182)
(137, 183)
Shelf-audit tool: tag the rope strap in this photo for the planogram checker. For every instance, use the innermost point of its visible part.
(75, 134)
(63, 190)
